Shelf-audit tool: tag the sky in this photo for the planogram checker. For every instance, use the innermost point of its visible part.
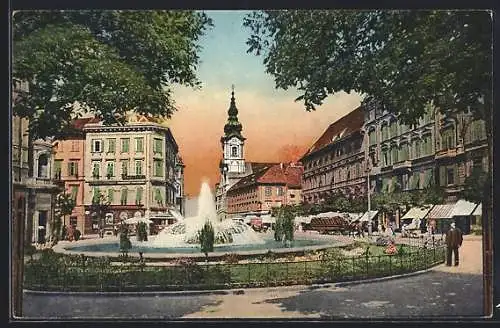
(276, 127)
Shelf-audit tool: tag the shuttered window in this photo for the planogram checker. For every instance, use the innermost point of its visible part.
(138, 196)
(123, 198)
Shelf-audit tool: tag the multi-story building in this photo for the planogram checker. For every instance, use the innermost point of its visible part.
(40, 183)
(437, 150)
(133, 166)
(271, 185)
(69, 160)
(335, 162)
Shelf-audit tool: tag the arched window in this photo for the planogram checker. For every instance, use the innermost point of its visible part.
(234, 151)
(43, 165)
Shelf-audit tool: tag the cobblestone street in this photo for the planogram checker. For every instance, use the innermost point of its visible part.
(443, 291)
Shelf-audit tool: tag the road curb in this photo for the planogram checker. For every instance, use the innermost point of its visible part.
(393, 277)
(239, 291)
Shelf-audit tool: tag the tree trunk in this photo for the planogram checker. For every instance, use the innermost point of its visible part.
(487, 227)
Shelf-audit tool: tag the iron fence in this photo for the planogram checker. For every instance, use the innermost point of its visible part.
(79, 273)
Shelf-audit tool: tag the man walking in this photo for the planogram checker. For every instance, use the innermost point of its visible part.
(454, 240)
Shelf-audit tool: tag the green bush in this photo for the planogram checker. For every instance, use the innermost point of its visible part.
(142, 232)
(77, 234)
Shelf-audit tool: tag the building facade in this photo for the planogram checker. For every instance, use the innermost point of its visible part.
(39, 184)
(336, 161)
(180, 198)
(271, 185)
(133, 167)
(69, 167)
(438, 150)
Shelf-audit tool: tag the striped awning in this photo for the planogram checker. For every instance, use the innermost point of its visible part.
(463, 208)
(417, 212)
(368, 216)
(479, 210)
(441, 212)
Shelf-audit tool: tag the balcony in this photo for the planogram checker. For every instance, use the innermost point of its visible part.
(403, 165)
(40, 183)
(449, 153)
(133, 177)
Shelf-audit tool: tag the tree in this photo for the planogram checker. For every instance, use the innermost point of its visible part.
(142, 232)
(102, 62)
(403, 60)
(475, 184)
(64, 205)
(207, 238)
(285, 225)
(125, 243)
(99, 208)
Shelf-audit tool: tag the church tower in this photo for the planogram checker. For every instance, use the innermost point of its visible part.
(233, 161)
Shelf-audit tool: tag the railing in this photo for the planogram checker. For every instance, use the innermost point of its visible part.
(80, 273)
(401, 165)
(133, 177)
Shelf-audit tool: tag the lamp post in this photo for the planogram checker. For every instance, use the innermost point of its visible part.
(368, 192)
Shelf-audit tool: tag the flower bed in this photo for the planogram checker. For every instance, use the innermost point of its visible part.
(53, 271)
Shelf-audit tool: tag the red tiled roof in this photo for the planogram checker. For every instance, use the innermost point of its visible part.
(345, 126)
(80, 122)
(272, 173)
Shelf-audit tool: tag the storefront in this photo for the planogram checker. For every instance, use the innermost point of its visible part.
(417, 213)
(462, 214)
(442, 215)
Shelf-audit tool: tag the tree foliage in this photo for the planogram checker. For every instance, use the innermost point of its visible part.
(142, 231)
(103, 62)
(284, 227)
(404, 59)
(64, 205)
(207, 238)
(475, 184)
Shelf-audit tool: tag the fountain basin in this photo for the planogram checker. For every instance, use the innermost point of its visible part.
(110, 247)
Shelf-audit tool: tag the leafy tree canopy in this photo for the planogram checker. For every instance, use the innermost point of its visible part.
(105, 62)
(404, 59)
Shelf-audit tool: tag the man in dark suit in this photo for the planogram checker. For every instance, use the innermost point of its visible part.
(454, 238)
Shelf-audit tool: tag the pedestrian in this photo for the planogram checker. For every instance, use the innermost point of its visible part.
(454, 238)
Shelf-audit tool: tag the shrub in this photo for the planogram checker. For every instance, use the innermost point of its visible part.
(231, 258)
(77, 234)
(207, 238)
(142, 232)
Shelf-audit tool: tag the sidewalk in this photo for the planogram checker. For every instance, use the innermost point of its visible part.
(470, 255)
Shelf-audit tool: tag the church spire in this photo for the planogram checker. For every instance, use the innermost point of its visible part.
(233, 127)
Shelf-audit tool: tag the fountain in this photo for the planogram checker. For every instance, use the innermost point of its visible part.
(184, 233)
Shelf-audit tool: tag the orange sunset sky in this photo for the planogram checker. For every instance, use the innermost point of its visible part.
(277, 128)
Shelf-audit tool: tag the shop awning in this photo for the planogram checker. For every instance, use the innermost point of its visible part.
(463, 208)
(417, 212)
(327, 215)
(479, 210)
(441, 212)
(368, 216)
(268, 219)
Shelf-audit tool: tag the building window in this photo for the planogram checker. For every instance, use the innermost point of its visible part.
(43, 166)
(125, 167)
(111, 196)
(448, 139)
(138, 167)
(123, 198)
(57, 169)
(448, 175)
(110, 170)
(158, 197)
(96, 170)
(403, 152)
(268, 191)
(139, 146)
(372, 137)
(96, 198)
(358, 170)
(111, 145)
(138, 196)
(394, 153)
(158, 168)
(280, 191)
(96, 146)
(74, 192)
(125, 145)
(75, 146)
(72, 221)
(234, 151)
(73, 168)
(158, 146)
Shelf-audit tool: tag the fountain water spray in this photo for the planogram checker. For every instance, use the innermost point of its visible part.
(184, 233)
